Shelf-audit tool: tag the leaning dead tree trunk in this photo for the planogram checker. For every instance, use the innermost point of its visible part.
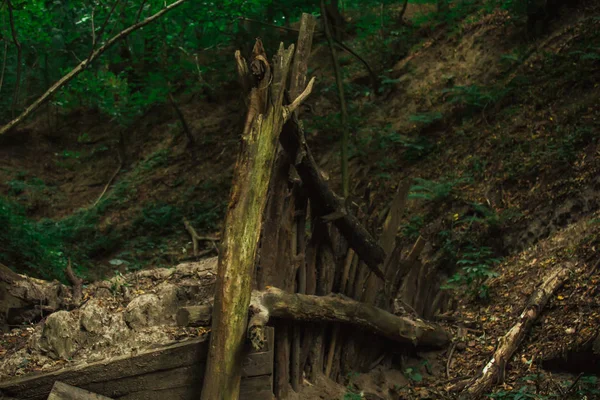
(327, 204)
(494, 370)
(244, 219)
(83, 65)
(338, 308)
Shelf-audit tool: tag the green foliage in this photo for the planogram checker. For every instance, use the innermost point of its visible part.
(474, 97)
(352, 396)
(569, 143)
(585, 388)
(157, 159)
(524, 392)
(159, 218)
(434, 190)
(426, 118)
(412, 230)
(476, 267)
(413, 375)
(415, 148)
(24, 242)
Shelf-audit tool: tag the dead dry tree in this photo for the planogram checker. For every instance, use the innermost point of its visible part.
(266, 116)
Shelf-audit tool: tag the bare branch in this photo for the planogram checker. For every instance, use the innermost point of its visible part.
(288, 110)
(197, 238)
(112, 178)
(19, 57)
(139, 13)
(3, 63)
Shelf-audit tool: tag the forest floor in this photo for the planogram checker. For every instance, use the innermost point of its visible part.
(501, 130)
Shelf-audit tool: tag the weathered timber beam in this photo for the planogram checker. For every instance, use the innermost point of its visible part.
(62, 391)
(336, 308)
(326, 201)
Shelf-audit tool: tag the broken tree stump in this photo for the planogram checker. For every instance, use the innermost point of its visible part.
(244, 219)
(494, 370)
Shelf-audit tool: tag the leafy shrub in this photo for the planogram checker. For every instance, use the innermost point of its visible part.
(432, 190)
(426, 118)
(412, 230)
(159, 218)
(23, 242)
(415, 148)
(476, 267)
(474, 97)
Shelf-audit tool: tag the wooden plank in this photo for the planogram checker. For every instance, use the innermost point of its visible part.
(180, 393)
(258, 384)
(62, 391)
(190, 376)
(38, 386)
(173, 372)
(258, 364)
(264, 395)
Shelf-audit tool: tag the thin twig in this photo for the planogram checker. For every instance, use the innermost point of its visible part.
(184, 124)
(403, 11)
(343, 46)
(93, 30)
(197, 238)
(4, 63)
(110, 180)
(95, 38)
(19, 57)
(76, 282)
(449, 361)
(283, 28)
(574, 383)
(82, 66)
(289, 110)
(139, 13)
(340, 85)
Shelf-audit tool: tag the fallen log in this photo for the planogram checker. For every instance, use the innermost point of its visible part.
(337, 308)
(494, 370)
